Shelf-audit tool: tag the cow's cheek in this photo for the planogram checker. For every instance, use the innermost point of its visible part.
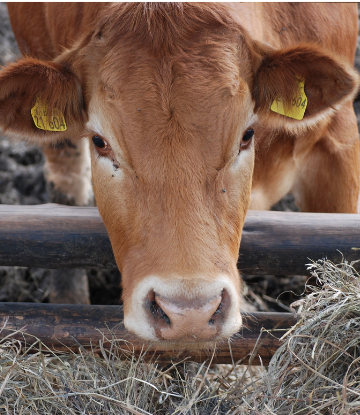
(111, 189)
(238, 184)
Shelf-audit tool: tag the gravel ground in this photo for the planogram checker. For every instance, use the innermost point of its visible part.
(22, 182)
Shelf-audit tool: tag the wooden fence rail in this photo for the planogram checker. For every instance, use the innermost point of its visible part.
(55, 236)
(64, 327)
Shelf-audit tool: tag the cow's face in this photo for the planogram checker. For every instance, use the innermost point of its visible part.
(172, 160)
(170, 126)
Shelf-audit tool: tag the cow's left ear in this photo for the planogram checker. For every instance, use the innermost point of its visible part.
(40, 100)
(299, 86)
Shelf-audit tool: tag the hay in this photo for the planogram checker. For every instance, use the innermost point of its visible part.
(38, 381)
(315, 371)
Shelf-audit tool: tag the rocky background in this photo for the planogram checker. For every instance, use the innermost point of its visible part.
(22, 182)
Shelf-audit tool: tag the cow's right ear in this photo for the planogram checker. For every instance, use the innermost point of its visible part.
(296, 87)
(30, 88)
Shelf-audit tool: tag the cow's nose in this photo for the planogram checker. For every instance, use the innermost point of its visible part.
(179, 319)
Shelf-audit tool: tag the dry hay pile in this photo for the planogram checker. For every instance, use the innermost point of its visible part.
(37, 381)
(315, 371)
(109, 382)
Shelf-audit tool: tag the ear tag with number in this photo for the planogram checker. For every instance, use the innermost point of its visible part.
(298, 105)
(45, 121)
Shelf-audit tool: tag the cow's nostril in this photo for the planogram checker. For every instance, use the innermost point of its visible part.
(222, 308)
(152, 305)
(158, 312)
(217, 311)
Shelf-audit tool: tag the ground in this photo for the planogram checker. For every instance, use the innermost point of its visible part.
(22, 182)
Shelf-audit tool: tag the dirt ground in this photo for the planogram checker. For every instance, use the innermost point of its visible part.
(22, 182)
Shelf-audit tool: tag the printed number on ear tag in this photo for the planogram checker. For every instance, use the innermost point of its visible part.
(298, 105)
(45, 121)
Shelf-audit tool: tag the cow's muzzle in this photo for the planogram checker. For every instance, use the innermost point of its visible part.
(183, 312)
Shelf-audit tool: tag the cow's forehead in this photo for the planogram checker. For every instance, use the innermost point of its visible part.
(174, 88)
(163, 27)
(171, 41)
(210, 68)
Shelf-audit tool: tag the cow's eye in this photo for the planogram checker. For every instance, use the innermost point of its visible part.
(246, 138)
(100, 143)
(104, 149)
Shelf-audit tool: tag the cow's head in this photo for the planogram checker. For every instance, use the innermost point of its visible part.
(169, 98)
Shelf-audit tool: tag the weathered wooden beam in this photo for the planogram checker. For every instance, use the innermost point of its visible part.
(55, 236)
(282, 243)
(64, 327)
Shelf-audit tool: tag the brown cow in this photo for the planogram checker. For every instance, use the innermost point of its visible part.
(177, 102)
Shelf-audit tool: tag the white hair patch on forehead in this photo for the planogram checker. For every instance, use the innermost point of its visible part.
(94, 123)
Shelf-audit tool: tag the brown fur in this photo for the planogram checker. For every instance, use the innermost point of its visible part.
(172, 88)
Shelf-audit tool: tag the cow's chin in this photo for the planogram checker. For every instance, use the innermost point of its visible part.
(184, 313)
(206, 347)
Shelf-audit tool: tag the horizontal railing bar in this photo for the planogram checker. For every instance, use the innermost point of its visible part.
(70, 327)
(56, 236)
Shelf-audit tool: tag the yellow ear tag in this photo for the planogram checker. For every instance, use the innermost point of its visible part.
(45, 121)
(298, 105)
